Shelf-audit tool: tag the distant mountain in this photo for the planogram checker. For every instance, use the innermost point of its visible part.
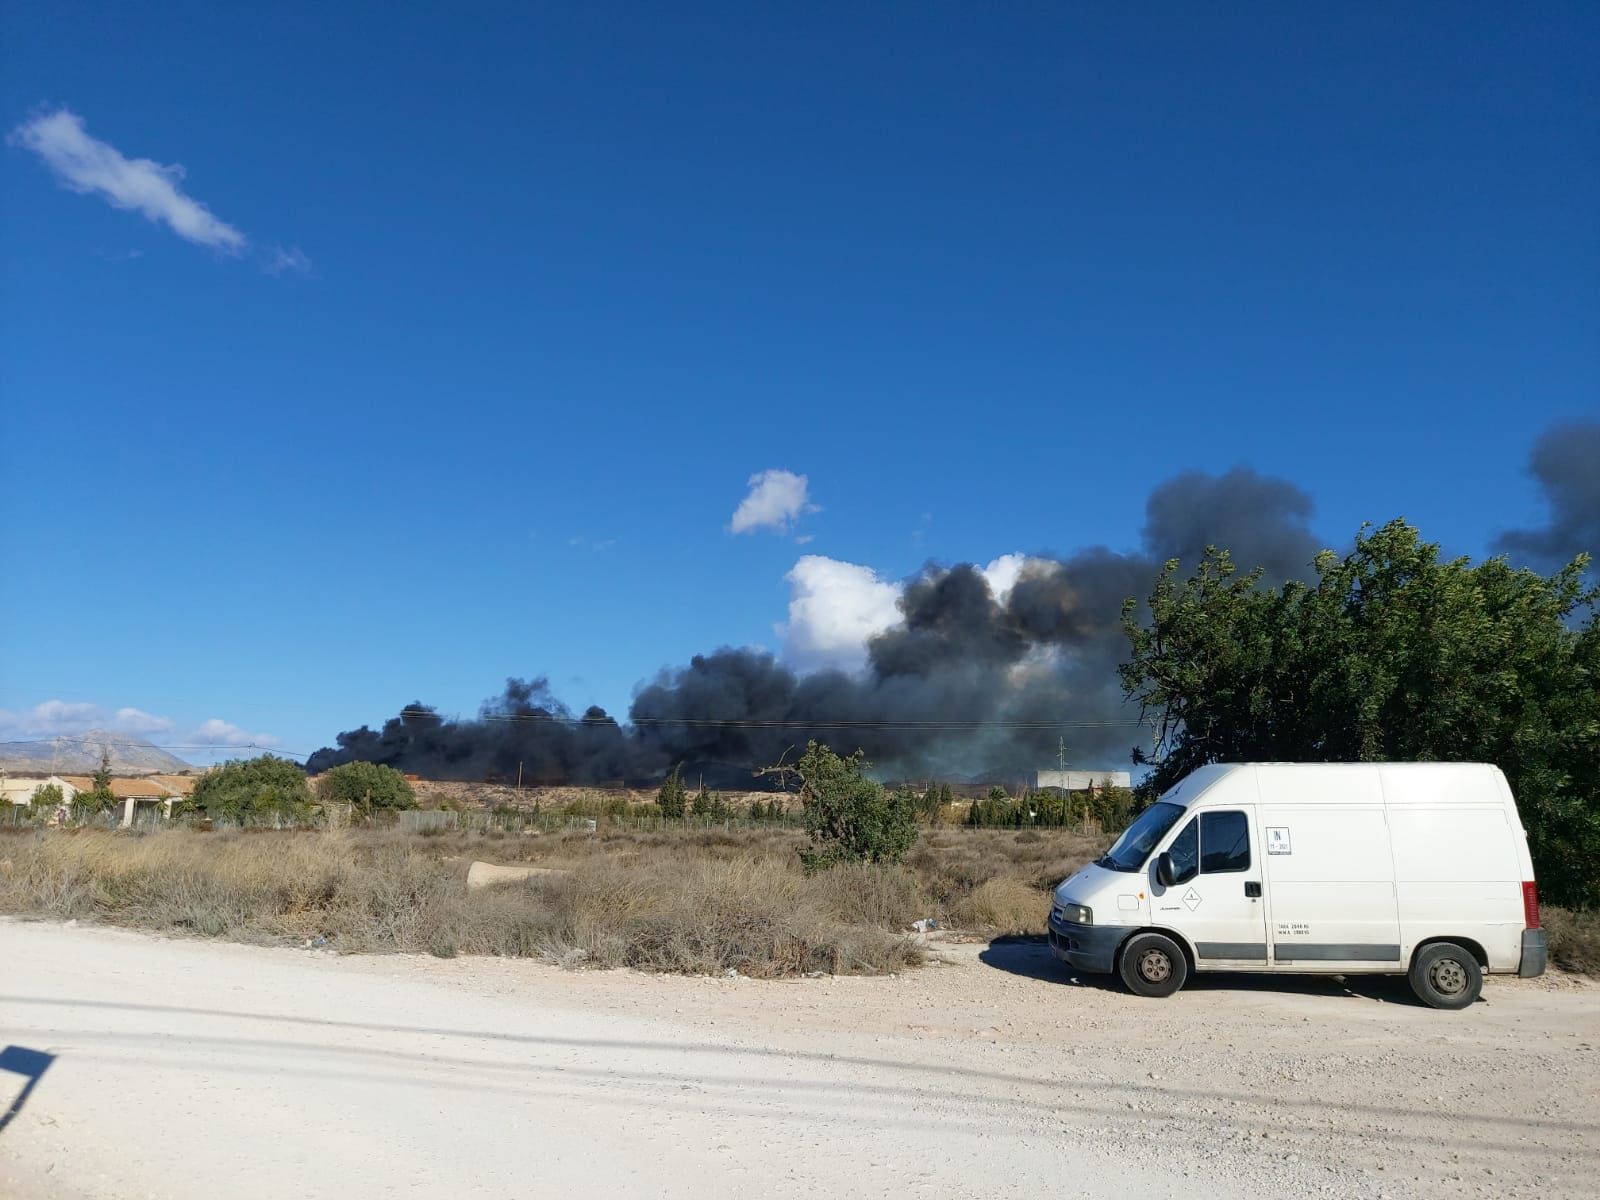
(79, 754)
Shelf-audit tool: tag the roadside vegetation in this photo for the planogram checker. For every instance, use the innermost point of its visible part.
(700, 901)
(367, 787)
(697, 901)
(261, 788)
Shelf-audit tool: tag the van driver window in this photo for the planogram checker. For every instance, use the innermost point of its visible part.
(1185, 850)
(1224, 842)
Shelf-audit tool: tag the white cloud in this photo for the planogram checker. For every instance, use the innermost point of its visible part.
(49, 718)
(834, 607)
(292, 261)
(90, 166)
(136, 721)
(217, 732)
(68, 718)
(1002, 574)
(777, 499)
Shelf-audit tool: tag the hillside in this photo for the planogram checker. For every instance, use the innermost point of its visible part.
(80, 754)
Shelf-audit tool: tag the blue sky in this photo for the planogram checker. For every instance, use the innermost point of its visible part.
(488, 319)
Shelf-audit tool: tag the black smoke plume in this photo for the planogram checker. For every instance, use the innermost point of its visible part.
(1566, 462)
(967, 684)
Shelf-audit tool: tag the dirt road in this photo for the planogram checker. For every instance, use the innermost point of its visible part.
(194, 1070)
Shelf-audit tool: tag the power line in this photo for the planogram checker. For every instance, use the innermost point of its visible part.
(760, 723)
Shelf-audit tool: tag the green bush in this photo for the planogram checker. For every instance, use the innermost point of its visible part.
(849, 817)
(368, 786)
(99, 797)
(46, 798)
(252, 788)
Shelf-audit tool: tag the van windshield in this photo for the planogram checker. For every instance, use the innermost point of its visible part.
(1129, 852)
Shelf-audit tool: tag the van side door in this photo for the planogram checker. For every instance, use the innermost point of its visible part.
(1330, 877)
(1216, 903)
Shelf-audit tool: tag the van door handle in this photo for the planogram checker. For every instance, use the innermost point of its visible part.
(1253, 890)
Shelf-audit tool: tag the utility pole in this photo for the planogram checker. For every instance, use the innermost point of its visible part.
(519, 774)
(1061, 766)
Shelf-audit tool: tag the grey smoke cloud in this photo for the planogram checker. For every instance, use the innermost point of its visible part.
(1566, 463)
(966, 683)
(1263, 521)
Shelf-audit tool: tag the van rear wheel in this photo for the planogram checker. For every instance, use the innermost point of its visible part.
(1153, 965)
(1445, 975)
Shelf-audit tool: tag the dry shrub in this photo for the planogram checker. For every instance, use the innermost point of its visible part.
(1574, 939)
(1004, 905)
(694, 900)
(872, 894)
(701, 914)
(696, 908)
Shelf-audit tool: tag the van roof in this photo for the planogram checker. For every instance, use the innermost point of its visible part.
(1323, 766)
(1235, 782)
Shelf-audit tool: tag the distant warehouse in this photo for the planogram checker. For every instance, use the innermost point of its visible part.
(1083, 781)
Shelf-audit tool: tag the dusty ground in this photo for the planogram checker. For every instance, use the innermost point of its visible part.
(191, 1069)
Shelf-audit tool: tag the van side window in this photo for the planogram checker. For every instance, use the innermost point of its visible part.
(1224, 842)
(1185, 850)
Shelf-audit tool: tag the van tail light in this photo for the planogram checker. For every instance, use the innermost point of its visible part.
(1530, 904)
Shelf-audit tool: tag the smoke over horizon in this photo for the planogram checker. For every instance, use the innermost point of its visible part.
(976, 673)
(979, 676)
(1566, 464)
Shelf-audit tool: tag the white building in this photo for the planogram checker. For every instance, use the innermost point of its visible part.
(19, 789)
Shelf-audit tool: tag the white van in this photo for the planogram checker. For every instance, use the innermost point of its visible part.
(1419, 869)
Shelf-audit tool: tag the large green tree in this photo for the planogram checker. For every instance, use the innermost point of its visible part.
(1391, 654)
(253, 788)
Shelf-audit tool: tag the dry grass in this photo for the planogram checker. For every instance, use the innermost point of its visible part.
(1574, 939)
(697, 902)
(688, 901)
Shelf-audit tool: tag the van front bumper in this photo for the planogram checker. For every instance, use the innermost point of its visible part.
(1086, 947)
(1535, 953)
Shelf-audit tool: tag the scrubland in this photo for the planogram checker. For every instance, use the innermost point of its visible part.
(694, 901)
(697, 901)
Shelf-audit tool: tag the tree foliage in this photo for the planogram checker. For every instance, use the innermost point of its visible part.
(367, 786)
(1054, 808)
(1391, 654)
(253, 788)
(709, 804)
(673, 797)
(47, 797)
(99, 798)
(849, 817)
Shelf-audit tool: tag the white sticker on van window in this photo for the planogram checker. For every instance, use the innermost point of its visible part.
(1278, 840)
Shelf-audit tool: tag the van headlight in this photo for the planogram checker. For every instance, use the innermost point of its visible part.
(1075, 914)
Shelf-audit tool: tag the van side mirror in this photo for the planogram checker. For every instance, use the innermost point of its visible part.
(1168, 874)
(1164, 870)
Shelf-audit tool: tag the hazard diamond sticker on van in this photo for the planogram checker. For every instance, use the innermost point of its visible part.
(1192, 899)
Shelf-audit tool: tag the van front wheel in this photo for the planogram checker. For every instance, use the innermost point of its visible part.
(1445, 975)
(1153, 965)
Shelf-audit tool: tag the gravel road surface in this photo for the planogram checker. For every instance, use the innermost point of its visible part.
(194, 1070)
